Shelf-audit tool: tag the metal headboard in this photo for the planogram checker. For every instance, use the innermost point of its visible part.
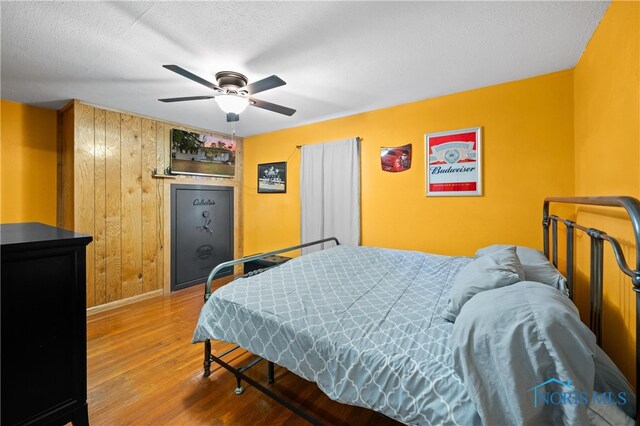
(632, 206)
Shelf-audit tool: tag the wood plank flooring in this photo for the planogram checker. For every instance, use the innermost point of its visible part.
(143, 370)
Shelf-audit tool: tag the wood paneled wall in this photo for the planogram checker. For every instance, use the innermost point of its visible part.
(106, 188)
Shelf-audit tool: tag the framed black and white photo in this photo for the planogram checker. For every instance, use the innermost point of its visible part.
(272, 177)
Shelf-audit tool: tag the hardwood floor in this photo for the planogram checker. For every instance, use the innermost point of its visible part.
(143, 370)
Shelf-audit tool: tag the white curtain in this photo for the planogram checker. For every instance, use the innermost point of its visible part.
(330, 193)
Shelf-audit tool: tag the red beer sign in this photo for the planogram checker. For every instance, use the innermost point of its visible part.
(453, 162)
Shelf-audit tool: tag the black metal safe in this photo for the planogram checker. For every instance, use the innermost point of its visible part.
(201, 232)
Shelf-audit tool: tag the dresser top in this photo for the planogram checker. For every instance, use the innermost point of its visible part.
(18, 234)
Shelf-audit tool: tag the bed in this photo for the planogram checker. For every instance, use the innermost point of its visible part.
(369, 326)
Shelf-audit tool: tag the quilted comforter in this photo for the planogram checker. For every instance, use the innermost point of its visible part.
(363, 323)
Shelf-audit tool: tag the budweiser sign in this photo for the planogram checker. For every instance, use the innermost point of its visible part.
(453, 162)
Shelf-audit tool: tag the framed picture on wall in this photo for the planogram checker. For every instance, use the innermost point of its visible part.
(272, 177)
(202, 155)
(396, 159)
(453, 163)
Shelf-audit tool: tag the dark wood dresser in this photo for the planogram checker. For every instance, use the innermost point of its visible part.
(43, 312)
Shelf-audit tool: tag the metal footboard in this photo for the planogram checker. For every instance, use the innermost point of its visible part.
(239, 372)
(214, 271)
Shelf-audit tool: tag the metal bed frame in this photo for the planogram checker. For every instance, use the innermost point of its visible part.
(598, 237)
(239, 372)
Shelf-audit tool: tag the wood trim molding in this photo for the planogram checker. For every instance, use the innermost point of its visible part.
(118, 303)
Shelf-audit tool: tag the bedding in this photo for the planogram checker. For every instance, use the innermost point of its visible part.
(535, 265)
(609, 377)
(533, 344)
(363, 323)
(608, 415)
(497, 269)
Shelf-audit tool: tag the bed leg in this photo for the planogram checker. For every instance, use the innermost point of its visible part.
(207, 358)
(270, 373)
(239, 388)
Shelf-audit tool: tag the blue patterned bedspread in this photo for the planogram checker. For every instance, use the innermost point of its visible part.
(363, 323)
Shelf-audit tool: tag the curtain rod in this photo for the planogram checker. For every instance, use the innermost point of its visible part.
(359, 139)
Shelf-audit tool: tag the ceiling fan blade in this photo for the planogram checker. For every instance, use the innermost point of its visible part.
(271, 107)
(264, 84)
(191, 76)
(187, 98)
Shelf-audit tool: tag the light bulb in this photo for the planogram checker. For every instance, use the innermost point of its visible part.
(232, 103)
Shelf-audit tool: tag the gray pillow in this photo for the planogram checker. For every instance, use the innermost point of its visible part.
(535, 265)
(497, 269)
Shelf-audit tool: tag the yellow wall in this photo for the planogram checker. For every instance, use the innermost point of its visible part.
(527, 154)
(29, 164)
(607, 106)
(607, 154)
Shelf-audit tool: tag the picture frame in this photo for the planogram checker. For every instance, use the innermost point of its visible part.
(395, 159)
(453, 163)
(272, 178)
(202, 155)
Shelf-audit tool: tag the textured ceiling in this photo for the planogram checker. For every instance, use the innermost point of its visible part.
(338, 58)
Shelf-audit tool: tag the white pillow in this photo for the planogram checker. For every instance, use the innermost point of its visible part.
(495, 270)
(535, 265)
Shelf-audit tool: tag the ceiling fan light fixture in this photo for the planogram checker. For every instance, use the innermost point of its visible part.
(232, 103)
(232, 92)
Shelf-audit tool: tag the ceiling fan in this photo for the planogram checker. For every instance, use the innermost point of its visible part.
(233, 94)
